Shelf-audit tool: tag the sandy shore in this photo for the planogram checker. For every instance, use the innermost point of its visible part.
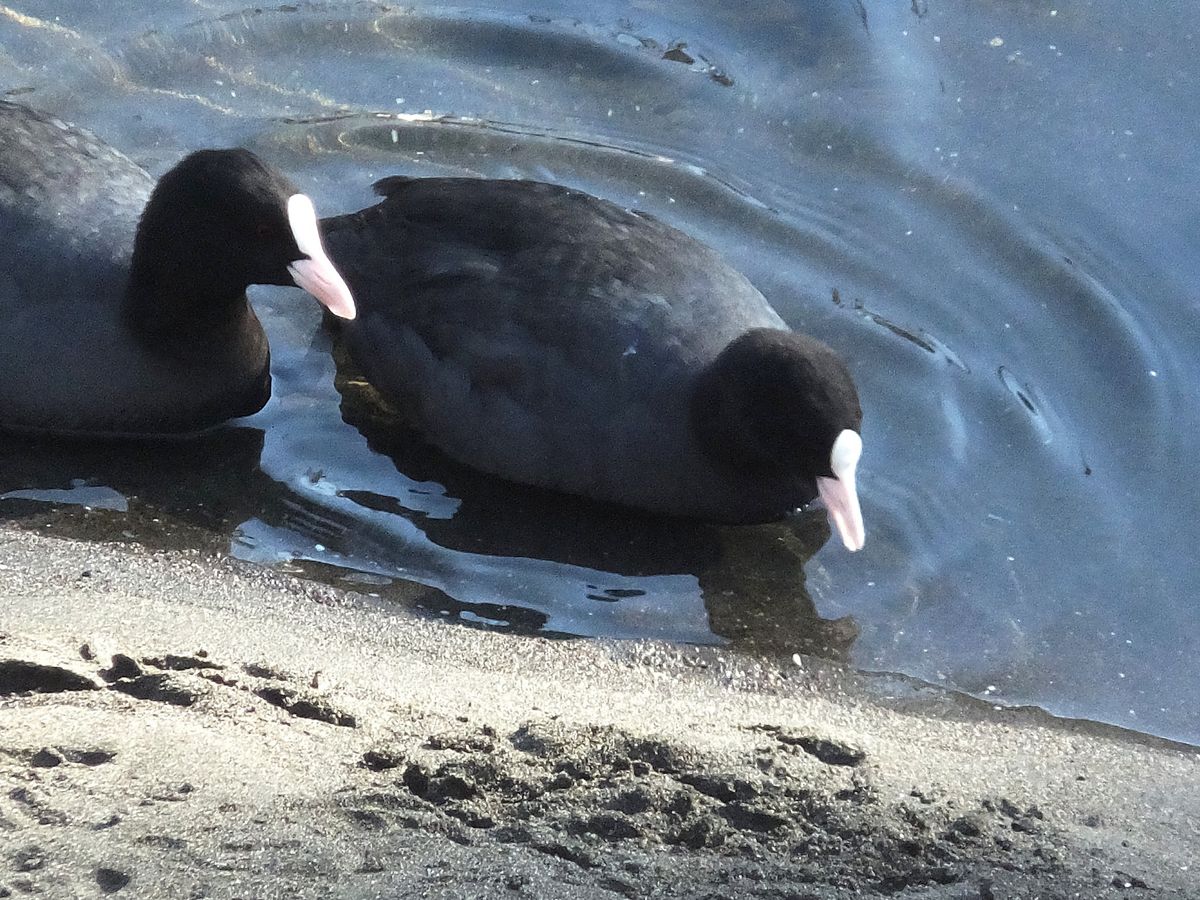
(177, 725)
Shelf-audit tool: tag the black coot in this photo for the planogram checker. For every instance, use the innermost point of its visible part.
(555, 339)
(111, 325)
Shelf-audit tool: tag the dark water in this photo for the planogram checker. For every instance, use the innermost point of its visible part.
(990, 208)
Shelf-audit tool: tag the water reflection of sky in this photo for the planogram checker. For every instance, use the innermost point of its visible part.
(988, 209)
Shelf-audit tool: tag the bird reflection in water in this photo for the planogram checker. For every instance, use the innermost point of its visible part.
(750, 578)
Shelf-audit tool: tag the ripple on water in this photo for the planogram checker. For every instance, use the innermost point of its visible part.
(1023, 351)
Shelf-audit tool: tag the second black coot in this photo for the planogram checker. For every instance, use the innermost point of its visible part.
(122, 302)
(555, 339)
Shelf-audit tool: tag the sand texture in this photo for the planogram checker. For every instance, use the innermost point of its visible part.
(180, 725)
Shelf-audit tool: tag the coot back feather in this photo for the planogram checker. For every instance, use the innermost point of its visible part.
(552, 338)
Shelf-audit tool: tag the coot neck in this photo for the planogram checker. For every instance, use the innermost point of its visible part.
(727, 440)
(168, 297)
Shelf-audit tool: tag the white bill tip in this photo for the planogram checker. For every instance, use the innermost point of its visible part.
(839, 493)
(316, 274)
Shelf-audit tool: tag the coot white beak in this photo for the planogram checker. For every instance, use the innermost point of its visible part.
(839, 493)
(316, 274)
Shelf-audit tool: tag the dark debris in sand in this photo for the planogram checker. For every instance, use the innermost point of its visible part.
(305, 705)
(631, 811)
(22, 676)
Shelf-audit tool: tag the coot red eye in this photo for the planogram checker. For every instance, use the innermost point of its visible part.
(263, 230)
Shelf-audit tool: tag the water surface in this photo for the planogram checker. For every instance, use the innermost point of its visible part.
(988, 208)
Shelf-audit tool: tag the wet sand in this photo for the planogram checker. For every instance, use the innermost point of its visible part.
(183, 725)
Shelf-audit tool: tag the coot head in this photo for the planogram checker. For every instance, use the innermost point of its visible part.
(780, 404)
(216, 223)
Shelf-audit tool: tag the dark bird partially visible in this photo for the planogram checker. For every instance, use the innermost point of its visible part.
(122, 302)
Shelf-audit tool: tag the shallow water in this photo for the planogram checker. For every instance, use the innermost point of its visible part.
(988, 208)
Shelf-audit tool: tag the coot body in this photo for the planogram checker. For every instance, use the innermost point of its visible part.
(555, 339)
(123, 315)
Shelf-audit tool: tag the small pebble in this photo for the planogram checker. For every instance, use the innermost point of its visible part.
(46, 758)
(124, 666)
(111, 880)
